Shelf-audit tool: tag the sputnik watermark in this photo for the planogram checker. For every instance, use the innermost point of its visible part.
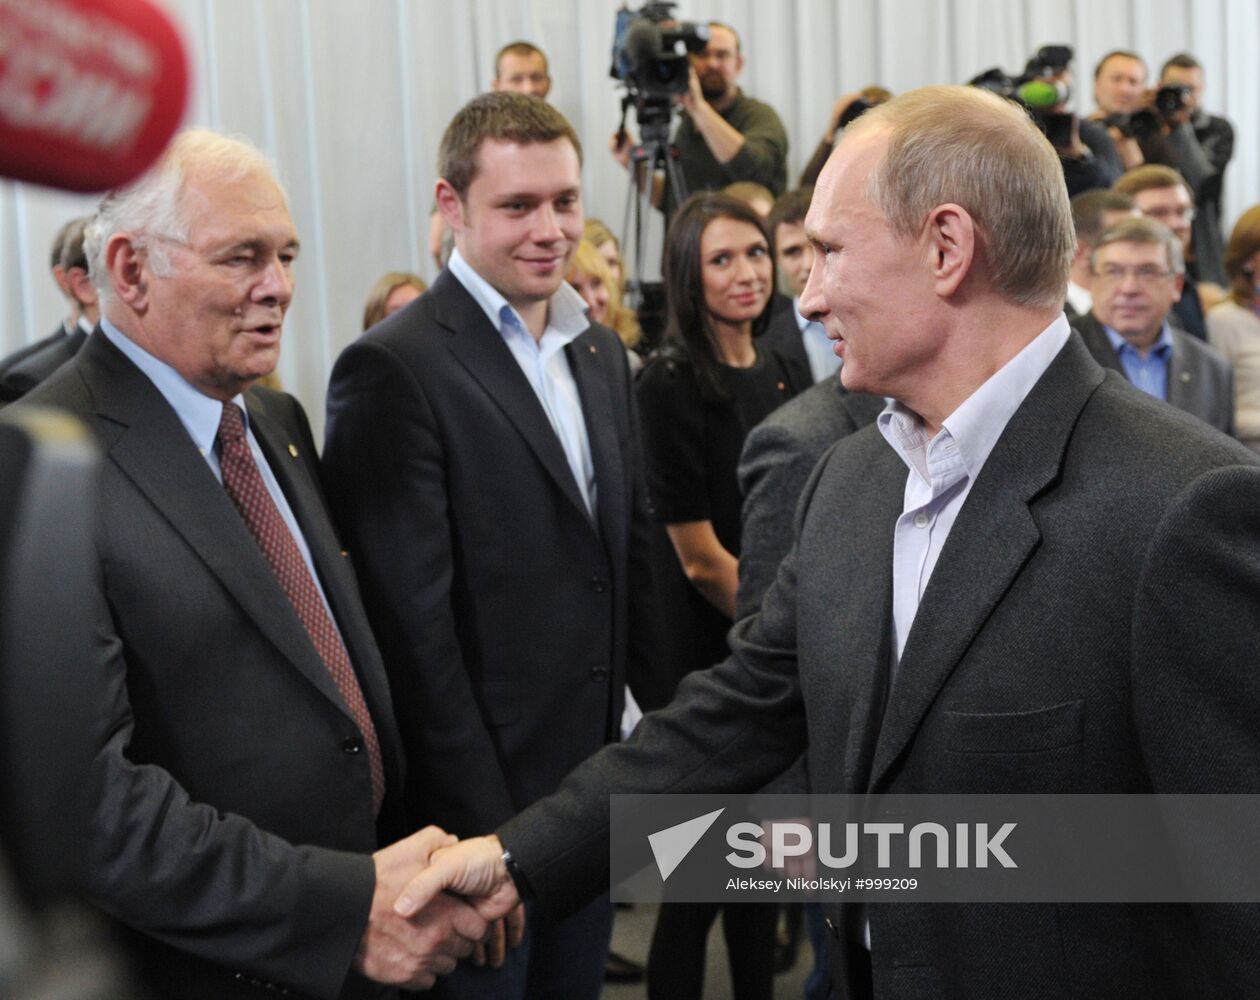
(937, 848)
(796, 840)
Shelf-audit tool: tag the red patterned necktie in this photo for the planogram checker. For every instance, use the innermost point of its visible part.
(245, 486)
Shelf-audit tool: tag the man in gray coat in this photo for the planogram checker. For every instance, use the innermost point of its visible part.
(1139, 273)
(1027, 577)
(778, 456)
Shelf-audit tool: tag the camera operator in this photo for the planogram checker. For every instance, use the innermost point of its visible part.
(724, 135)
(1149, 125)
(1119, 92)
(1214, 138)
(1086, 150)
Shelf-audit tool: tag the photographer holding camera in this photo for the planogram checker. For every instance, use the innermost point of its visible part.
(1214, 137)
(724, 135)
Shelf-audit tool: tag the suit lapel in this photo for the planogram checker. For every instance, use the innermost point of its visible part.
(862, 638)
(480, 349)
(293, 471)
(993, 537)
(599, 414)
(1183, 375)
(150, 446)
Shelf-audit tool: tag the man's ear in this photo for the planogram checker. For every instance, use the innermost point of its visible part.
(80, 286)
(450, 204)
(1179, 286)
(951, 238)
(125, 264)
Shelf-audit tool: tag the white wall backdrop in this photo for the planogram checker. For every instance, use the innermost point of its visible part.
(350, 100)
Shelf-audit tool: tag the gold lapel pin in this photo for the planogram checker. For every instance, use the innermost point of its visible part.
(1185, 376)
(293, 450)
(591, 347)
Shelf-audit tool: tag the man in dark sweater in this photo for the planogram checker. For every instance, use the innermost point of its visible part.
(724, 135)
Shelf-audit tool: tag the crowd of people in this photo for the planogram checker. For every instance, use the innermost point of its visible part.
(529, 524)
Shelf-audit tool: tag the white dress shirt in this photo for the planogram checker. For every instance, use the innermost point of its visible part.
(544, 363)
(943, 469)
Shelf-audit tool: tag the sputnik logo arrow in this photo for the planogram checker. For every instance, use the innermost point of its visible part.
(671, 845)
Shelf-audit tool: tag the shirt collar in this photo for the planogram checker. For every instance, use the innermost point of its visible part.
(974, 428)
(1162, 346)
(566, 309)
(199, 413)
(802, 321)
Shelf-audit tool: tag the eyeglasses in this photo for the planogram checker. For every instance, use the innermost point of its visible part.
(1144, 274)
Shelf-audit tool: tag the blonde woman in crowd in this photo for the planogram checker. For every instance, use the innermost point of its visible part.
(590, 274)
(391, 292)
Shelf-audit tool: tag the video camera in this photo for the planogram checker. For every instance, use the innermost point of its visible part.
(1037, 90)
(650, 57)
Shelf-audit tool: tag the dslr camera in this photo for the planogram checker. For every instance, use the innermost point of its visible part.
(1150, 120)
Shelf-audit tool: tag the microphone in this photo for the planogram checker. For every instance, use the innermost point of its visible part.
(91, 91)
(1043, 93)
(643, 42)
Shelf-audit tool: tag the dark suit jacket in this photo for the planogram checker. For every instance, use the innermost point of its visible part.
(783, 334)
(1200, 378)
(25, 369)
(235, 821)
(503, 610)
(1091, 626)
(778, 456)
(26, 350)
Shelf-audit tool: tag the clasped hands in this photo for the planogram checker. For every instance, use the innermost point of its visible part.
(438, 900)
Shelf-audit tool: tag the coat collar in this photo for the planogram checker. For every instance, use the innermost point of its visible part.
(144, 438)
(992, 539)
(480, 349)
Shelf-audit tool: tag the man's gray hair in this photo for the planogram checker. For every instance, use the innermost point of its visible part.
(1142, 230)
(151, 208)
(968, 147)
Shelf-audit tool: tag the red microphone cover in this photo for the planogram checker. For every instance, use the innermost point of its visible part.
(91, 91)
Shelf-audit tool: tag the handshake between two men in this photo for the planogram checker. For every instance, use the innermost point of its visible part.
(434, 905)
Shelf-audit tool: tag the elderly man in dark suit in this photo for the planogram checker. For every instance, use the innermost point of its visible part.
(249, 764)
(1139, 273)
(1027, 577)
(482, 458)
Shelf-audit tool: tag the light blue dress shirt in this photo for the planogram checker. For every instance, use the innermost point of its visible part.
(544, 364)
(200, 416)
(823, 361)
(1150, 373)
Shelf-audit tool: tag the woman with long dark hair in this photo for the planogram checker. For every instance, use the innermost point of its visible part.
(706, 387)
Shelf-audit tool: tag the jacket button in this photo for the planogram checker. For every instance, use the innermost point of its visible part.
(353, 745)
(599, 584)
(599, 672)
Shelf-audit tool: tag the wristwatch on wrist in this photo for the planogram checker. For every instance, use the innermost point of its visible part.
(517, 876)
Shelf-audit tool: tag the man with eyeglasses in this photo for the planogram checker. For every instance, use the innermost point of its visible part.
(1162, 194)
(1139, 273)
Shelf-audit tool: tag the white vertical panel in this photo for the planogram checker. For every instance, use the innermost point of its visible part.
(915, 44)
(1240, 102)
(985, 34)
(1103, 27)
(1160, 29)
(351, 101)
